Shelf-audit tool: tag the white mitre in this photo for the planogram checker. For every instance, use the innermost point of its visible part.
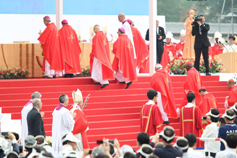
(217, 35)
(77, 98)
(169, 35)
(183, 32)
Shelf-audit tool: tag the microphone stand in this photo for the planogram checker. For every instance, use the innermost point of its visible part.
(230, 46)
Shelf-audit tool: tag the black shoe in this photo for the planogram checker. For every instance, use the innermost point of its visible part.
(54, 76)
(166, 122)
(66, 76)
(208, 74)
(97, 83)
(46, 77)
(103, 86)
(121, 82)
(128, 84)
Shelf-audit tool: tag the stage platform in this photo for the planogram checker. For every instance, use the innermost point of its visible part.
(112, 112)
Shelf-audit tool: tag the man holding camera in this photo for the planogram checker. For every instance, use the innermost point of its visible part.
(200, 31)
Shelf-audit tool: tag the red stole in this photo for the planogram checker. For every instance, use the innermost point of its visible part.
(190, 121)
(161, 82)
(165, 57)
(100, 50)
(150, 119)
(232, 96)
(140, 46)
(192, 83)
(208, 101)
(70, 49)
(124, 58)
(51, 48)
(179, 46)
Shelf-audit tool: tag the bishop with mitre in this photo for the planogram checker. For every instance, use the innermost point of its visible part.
(101, 68)
(81, 123)
(53, 64)
(70, 49)
(161, 82)
(124, 63)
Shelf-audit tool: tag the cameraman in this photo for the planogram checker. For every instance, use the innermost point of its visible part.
(200, 31)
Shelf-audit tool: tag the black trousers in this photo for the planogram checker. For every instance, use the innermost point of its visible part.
(211, 154)
(204, 51)
(159, 53)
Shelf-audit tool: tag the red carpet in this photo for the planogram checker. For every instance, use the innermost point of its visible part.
(112, 112)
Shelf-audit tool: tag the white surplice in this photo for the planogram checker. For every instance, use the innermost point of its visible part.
(50, 72)
(24, 125)
(97, 74)
(63, 124)
(160, 105)
(128, 32)
(230, 48)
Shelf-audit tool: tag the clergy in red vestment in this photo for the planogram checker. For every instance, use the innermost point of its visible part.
(192, 83)
(101, 68)
(190, 117)
(70, 49)
(140, 46)
(232, 98)
(53, 64)
(217, 37)
(161, 82)
(151, 117)
(124, 63)
(208, 101)
(81, 123)
(179, 48)
(220, 48)
(169, 50)
(144, 66)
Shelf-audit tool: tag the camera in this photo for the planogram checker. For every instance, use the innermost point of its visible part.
(197, 18)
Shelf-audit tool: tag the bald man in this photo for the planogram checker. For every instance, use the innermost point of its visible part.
(232, 98)
(101, 68)
(128, 31)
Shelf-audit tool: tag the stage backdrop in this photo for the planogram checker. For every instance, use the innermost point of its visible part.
(22, 19)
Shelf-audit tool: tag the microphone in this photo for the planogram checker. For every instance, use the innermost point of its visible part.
(229, 45)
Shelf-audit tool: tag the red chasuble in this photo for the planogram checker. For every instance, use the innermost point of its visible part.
(100, 50)
(124, 58)
(70, 49)
(208, 101)
(190, 121)
(161, 82)
(50, 43)
(140, 46)
(192, 83)
(217, 51)
(214, 47)
(80, 126)
(150, 119)
(232, 96)
(165, 57)
(179, 46)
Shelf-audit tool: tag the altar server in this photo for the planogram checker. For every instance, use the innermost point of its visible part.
(63, 123)
(101, 68)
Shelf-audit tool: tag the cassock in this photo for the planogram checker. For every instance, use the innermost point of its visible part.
(161, 82)
(140, 46)
(128, 32)
(232, 99)
(70, 49)
(63, 124)
(168, 54)
(101, 68)
(217, 51)
(207, 103)
(123, 62)
(24, 125)
(190, 120)
(53, 63)
(179, 47)
(150, 118)
(192, 83)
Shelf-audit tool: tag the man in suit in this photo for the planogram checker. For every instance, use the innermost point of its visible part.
(34, 119)
(200, 31)
(160, 36)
